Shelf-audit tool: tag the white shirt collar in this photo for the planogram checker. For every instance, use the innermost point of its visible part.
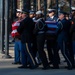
(52, 17)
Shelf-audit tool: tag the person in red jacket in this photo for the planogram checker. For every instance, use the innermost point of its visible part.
(16, 36)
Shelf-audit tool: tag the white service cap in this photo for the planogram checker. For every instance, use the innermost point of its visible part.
(19, 10)
(38, 12)
(73, 8)
(51, 10)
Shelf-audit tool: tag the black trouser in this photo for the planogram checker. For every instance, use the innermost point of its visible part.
(40, 46)
(53, 52)
(64, 49)
(34, 46)
(71, 53)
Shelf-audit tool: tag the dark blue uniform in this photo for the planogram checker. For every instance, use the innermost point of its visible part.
(72, 41)
(52, 47)
(63, 30)
(26, 31)
(73, 33)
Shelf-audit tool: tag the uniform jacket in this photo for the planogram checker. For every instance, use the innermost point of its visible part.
(63, 29)
(51, 33)
(26, 30)
(73, 29)
(41, 26)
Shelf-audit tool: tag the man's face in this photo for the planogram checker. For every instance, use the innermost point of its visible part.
(61, 16)
(18, 14)
(51, 14)
(38, 16)
(24, 15)
(31, 15)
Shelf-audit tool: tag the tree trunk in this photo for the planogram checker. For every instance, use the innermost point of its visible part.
(48, 3)
(39, 4)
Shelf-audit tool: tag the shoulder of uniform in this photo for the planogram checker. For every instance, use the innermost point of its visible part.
(55, 17)
(47, 18)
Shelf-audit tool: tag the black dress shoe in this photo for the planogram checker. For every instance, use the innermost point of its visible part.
(74, 67)
(16, 63)
(46, 68)
(34, 67)
(23, 67)
(69, 67)
(56, 67)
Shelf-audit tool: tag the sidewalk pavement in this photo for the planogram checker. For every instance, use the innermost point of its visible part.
(7, 68)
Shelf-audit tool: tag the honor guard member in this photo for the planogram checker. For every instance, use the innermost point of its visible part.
(72, 32)
(18, 11)
(26, 30)
(51, 43)
(40, 29)
(70, 48)
(16, 36)
(34, 43)
(62, 39)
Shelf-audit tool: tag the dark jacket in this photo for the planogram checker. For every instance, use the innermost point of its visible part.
(40, 26)
(26, 30)
(63, 30)
(51, 33)
(73, 29)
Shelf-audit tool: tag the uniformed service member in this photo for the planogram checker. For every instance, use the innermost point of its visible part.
(26, 30)
(63, 29)
(34, 45)
(40, 35)
(51, 43)
(17, 47)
